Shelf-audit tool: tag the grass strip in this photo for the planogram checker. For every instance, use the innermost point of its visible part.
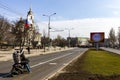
(93, 65)
(101, 62)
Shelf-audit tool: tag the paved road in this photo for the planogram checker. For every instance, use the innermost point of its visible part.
(42, 66)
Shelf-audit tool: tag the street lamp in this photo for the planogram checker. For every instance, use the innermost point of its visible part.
(69, 29)
(49, 17)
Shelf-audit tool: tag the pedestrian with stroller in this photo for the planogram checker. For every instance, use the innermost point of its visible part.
(21, 63)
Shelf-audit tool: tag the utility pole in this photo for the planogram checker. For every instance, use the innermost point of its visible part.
(69, 39)
(49, 18)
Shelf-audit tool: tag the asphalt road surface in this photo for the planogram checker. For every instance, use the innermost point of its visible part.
(42, 66)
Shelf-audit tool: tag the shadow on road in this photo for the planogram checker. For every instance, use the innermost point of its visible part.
(5, 75)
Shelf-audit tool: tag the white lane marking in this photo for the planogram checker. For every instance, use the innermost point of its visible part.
(53, 63)
(50, 60)
(65, 64)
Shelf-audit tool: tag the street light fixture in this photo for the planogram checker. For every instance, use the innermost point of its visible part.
(49, 17)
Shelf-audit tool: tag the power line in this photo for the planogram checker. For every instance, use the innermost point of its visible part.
(3, 6)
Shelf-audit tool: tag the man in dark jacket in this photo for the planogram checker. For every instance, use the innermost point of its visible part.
(24, 60)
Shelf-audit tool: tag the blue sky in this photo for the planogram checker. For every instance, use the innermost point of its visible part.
(84, 16)
(68, 9)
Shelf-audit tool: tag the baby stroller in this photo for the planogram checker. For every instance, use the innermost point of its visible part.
(16, 69)
(20, 68)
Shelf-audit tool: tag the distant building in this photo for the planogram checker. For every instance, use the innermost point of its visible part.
(83, 41)
(78, 41)
(72, 41)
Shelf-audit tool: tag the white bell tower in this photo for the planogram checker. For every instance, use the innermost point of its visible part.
(31, 29)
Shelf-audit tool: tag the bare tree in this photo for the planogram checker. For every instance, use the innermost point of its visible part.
(19, 32)
(118, 36)
(112, 37)
(44, 40)
(59, 41)
(5, 31)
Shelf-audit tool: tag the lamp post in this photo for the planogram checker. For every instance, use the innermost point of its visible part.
(49, 18)
(69, 29)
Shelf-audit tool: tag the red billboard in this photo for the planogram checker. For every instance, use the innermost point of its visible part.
(97, 36)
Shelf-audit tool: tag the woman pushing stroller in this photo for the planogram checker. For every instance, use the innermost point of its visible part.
(21, 63)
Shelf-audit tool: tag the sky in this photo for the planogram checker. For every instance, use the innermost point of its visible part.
(80, 17)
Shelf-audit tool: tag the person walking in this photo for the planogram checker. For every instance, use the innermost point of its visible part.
(28, 48)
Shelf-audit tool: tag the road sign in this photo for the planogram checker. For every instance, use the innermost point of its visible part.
(97, 37)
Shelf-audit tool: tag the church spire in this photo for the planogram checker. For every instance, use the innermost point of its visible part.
(30, 11)
(30, 18)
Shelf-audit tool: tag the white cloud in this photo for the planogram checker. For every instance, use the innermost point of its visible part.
(58, 18)
(113, 6)
(82, 27)
(116, 13)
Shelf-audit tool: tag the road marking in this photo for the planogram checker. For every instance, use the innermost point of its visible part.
(53, 63)
(65, 64)
(50, 60)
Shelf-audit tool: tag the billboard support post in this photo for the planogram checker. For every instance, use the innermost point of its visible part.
(97, 46)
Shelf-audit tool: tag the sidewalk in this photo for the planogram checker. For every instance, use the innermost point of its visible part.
(111, 50)
(7, 55)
